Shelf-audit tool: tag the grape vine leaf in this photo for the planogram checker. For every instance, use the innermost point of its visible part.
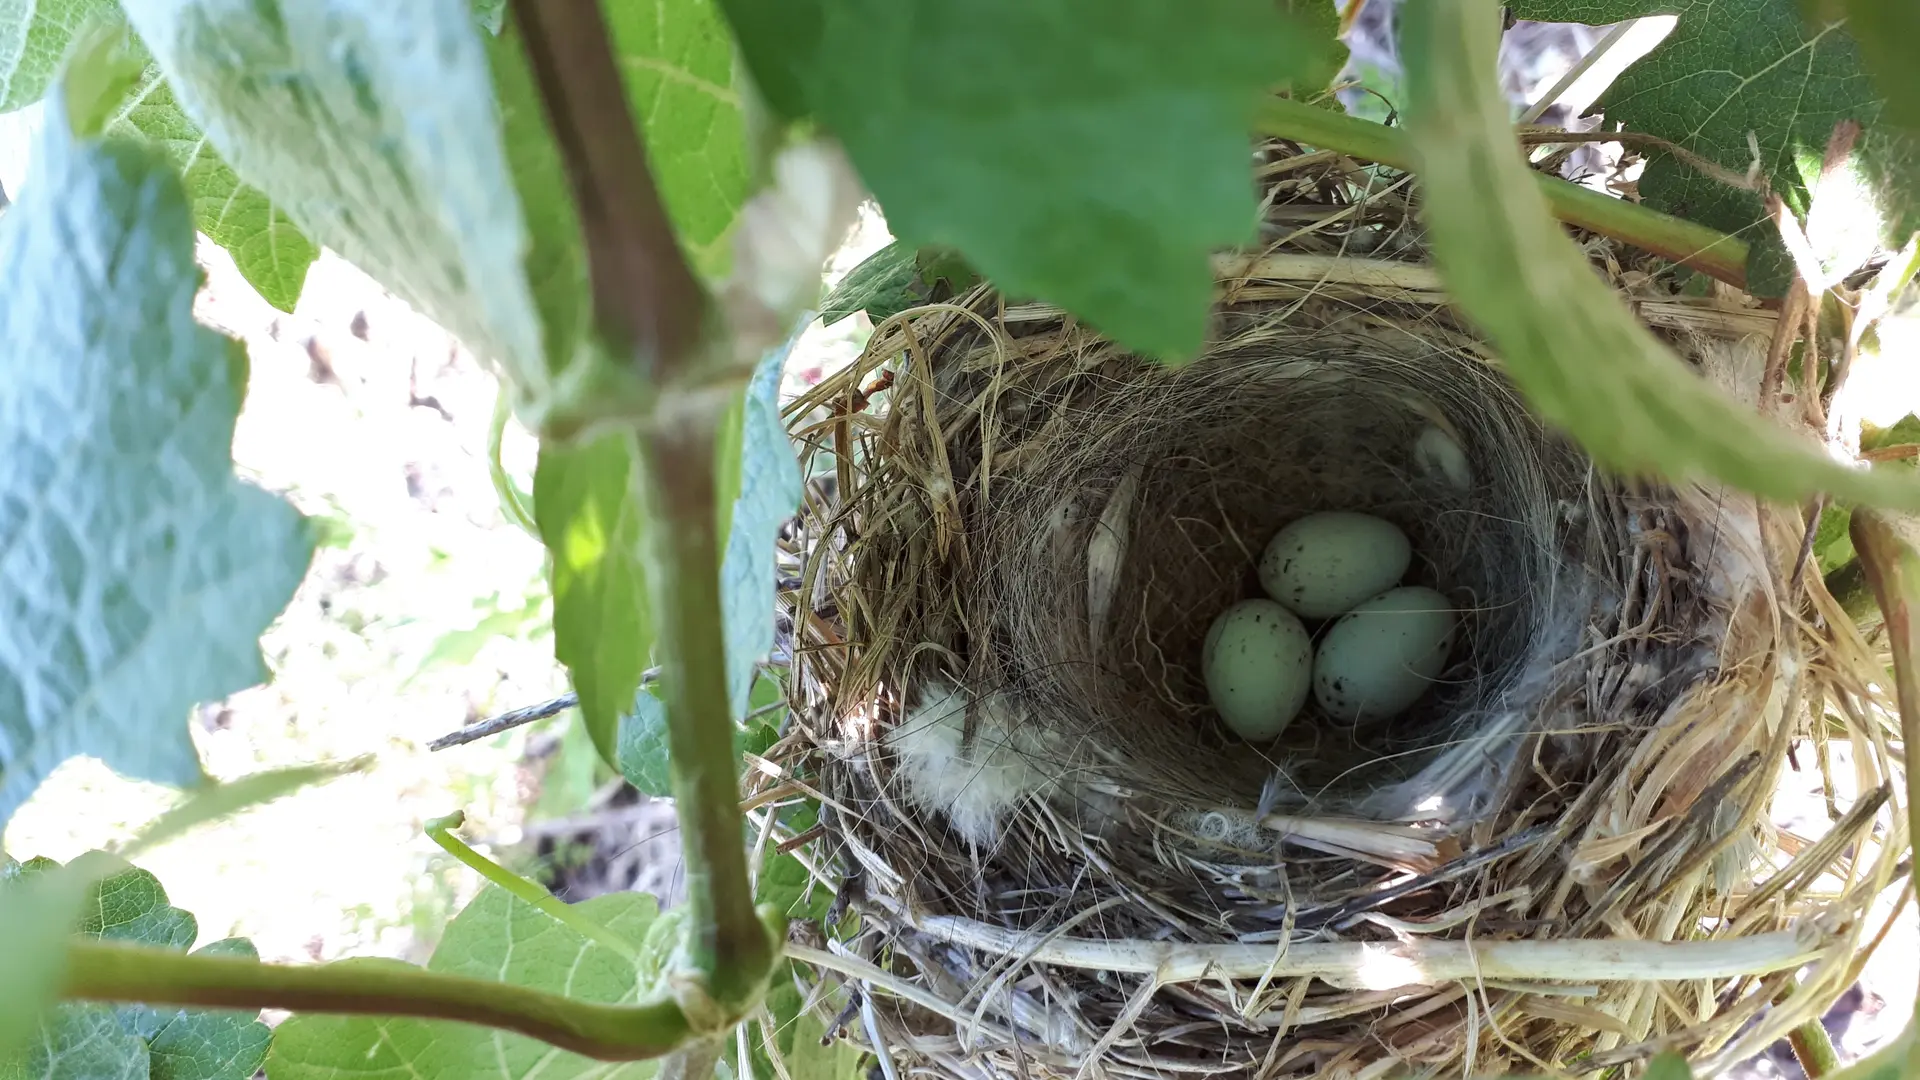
(136, 570)
(1089, 152)
(86, 1040)
(882, 285)
(34, 35)
(591, 522)
(1529, 288)
(1731, 67)
(498, 937)
(769, 488)
(1886, 30)
(268, 250)
(373, 126)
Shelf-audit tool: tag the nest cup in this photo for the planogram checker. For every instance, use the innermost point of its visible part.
(1061, 860)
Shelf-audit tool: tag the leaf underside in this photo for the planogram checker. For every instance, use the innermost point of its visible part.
(1089, 152)
(136, 571)
(1731, 67)
(501, 938)
(135, 1041)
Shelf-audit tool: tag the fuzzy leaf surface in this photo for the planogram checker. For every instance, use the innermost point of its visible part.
(88, 1040)
(136, 571)
(495, 937)
(592, 525)
(1582, 360)
(34, 35)
(1088, 152)
(1731, 67)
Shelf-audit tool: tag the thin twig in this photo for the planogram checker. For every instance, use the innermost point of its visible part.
(506, 721)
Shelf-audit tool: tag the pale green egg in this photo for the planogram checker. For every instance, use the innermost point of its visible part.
(1323, 564)
(1384, 654)
(1258, 663)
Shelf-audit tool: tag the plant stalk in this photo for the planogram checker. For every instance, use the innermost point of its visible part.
(1706, 250)
(112, 971)
(728, 942)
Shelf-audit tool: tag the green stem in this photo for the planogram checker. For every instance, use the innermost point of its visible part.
(1707, 250)
(111, 971)
(530, 891)
(728, 942)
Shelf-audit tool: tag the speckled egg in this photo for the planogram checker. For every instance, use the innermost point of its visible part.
(1384, 654)
(1322, 565)
(1258, 663)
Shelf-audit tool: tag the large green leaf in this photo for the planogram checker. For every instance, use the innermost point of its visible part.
(87, 1041)
(592, 525)
(1887, 31)
(136, 570)
(1090, 152)
(34, 35)
(496, 937)
(373, 126)
(267, 248)
(1735, 68)
(1569, 343)
(768, 492)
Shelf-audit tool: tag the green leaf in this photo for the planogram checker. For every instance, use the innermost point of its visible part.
(642, 756)
(373, 126)
(1886, 31)
(267, 248)
(84, 1040)
(1320, 22)
(1731, 67)
(216, 801)
(1668, 1066)
(769, 486)
(137, 570)
(1090, 152)
(496, 937)
(784, 881)
(1567, 341)
(34, 35)
(591, 523)
(882, 286)
(769, 493)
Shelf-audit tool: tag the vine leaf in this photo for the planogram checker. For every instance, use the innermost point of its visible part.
(501, 938)
(883, 285)
(1007, 114)
(591, 523)
(34, 35)
(134, 1040)
(269, 251)
(138, 571)
(768, 491)
(1886, 30)
(373, 126)
(1731, 67)
(1570, 345)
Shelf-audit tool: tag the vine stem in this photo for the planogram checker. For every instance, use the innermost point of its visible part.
(440, 831)
(649, 307)
(1708, 251)
(112, 971)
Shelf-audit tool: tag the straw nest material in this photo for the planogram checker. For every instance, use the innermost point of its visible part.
(1051, 859)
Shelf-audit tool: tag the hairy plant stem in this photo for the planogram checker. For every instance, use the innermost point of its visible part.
(111, 971)
(649, 306)
(728, 942)
(1706, 250)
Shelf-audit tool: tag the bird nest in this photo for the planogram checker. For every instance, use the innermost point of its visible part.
(1050, 856)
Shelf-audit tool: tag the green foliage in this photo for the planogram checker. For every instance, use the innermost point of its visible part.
(501, 938)
(373, 126)
(1526, 285)
(138, 569)
(784, 882)
(1001, 120)
(769, 492)
(1886, 30)
(1668, 1066)
(799, 1038)
(884, 284)
(592, 526)
(82, 1040)
(1732, 67)
(34, 35)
